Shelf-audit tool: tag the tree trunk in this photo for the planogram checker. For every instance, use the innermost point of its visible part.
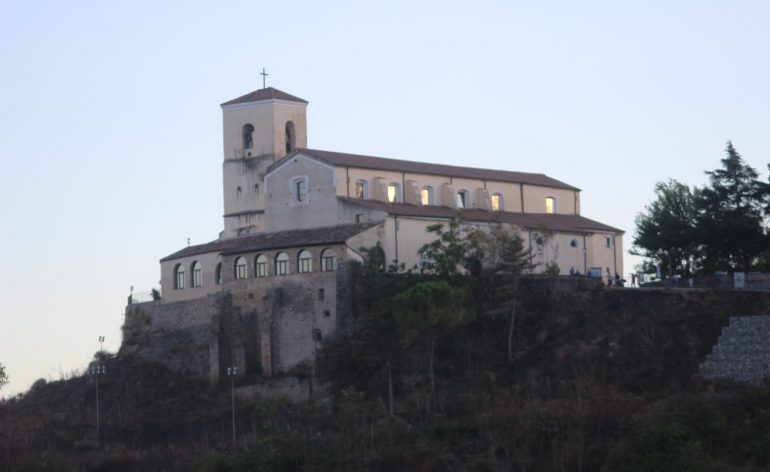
(431, 376)
(510, 329)
(390, 386)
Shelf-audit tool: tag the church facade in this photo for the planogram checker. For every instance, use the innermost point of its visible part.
(295, 216)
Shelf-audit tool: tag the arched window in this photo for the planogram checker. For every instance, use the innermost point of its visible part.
(218, 274)
(362, 189)
(197, 274)
(462, 199)
(550, 205)
(496, 201)
(304, 262)
(282, 264)
(394, 194)
(241, 268)
(178, 277)
(290, 138)
(299, 189)
(328, 260)
(260, 266)
(426, 196)
(248, 139)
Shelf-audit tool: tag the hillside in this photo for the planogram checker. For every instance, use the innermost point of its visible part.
(601, 380)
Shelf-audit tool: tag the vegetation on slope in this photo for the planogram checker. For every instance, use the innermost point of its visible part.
(588, 380)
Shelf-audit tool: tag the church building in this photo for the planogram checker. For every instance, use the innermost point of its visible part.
(294, 217)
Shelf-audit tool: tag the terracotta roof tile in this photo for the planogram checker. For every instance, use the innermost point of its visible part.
(399, 165)
(268, 93)
(275, 240)
(564, 223)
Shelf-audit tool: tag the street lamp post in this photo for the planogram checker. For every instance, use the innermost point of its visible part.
(231, 372)
(96, 371)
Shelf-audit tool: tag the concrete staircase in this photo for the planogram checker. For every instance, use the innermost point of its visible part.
(742, 352)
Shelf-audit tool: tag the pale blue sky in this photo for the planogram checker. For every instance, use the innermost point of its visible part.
(111, 130)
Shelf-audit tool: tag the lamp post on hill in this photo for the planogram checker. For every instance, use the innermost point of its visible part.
(96, 371)
(231, 372)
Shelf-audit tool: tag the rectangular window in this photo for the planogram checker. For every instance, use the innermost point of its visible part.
(495, 200)
(282, 267)
(197, 277)
(425, 196)
(327, 263)
(608, 242)
(321, 294)
(179, 280)
(304, 265)
(360, 190)
(240, 271)
(461, 197)
(392, 193)
(261, 269)
(301, 190)
(550, 205)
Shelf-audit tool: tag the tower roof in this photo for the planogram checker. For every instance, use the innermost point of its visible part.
(268, 93)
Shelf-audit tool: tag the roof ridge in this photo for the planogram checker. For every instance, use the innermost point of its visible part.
(421, 162)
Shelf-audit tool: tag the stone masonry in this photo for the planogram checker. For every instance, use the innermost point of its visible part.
(742, 352)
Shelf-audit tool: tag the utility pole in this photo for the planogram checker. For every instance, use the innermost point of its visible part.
(231, 372)
(96, 371)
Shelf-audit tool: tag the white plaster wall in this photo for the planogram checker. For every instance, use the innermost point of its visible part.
(282, 212)
(269, 119)
(559, 250)
(534, 199)
(511, 194)
(567, 201)
(602, 256)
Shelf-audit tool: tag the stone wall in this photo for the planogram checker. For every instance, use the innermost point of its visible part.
(179, 334)
(742, 352)
(264, 326)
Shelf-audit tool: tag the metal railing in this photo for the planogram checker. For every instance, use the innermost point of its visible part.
(140, 297)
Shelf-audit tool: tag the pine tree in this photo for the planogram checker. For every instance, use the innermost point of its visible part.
(730, 221)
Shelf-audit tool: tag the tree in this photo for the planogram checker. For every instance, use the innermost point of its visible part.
(503, 261)
(367, 355)
(665, 231)
(423, 310)
(450, 251)
(3, 376)
(730, 220)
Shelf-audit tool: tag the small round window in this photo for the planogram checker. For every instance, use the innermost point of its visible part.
(573, 243)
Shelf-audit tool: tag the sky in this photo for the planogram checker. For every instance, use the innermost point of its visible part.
(111, 144)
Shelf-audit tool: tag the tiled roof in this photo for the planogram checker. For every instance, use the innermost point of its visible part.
(268, 93)
(554, 222)
(275, 240)
(399, 165)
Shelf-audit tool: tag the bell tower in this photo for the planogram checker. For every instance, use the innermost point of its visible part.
(258, 129)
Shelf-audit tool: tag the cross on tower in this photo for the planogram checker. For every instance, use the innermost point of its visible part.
(264, 75)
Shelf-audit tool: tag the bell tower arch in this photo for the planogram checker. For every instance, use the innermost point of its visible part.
(263, 123)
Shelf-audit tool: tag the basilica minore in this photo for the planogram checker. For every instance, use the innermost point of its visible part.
(265, 293)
